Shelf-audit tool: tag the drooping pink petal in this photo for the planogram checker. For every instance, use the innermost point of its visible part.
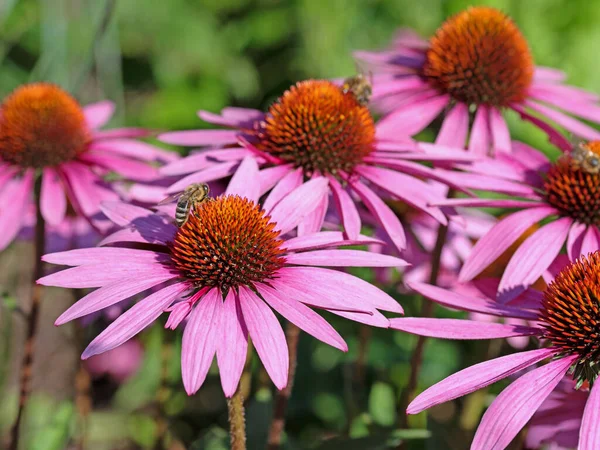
(15, 197)
(133, 149)
(575, 239)
(86, 187)
(294, 207)
(203, 159)
(480, 139)
(93, 275)
(487, 202)
(233, 346)
(591, 240)
(499, 238)
(464, 302)
(200, 339)
(111, 294)
(152, 230)
(126, 167)
(194, 138)
(455, 127)
(245, 180)
(292, 180)
(383, 213)
(515, 405)
(326, 239)
(303, 317)
(134, 320)
(411, 119)
(410, 83)
(500, 133)
(122, 213)
(346, 209)
(214, 172)
(269, 177)
(553, 135)
(589, 433)
(267, 336)
(530, 157)
(374, 319)
(313, 222)
(98, 255)
(459, 329)
(487, 183)
(476, 377)
(347, 289)
(120, 133)
(98, 114)
(567, 122)
(344, 258)
(532, 258)
(53, 201)
(548, 74)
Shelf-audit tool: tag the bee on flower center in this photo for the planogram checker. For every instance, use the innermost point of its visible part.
(360, 86)
(190, 199)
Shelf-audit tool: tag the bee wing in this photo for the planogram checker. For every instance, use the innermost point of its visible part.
(170, 199)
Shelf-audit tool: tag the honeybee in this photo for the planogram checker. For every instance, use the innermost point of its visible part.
(585, 159)
(360, 86)
(192, 197)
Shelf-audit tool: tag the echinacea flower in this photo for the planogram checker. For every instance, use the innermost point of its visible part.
(477, 62)
(44, 131)
(565, 318)
(225, 270)
(561, 196)
(317, 130)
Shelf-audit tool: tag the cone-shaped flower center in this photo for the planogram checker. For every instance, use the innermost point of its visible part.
(227, 242)
(41, 125)
(479, 56)
(570, 314)
(317, 126)
(573, 188)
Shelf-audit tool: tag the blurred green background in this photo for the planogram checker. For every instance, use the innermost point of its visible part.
(161, 61)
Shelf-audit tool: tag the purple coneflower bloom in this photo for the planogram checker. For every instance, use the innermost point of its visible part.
(43, 130)
(477, 62)
(565, 316)
(225, 269)
(563, 196)
(318, 130)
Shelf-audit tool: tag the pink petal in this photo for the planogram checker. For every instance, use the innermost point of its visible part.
(487, 183)
(411, 119)
(16, 196)
(267, 336)
(99, 255)
(134, 320)
(203, 160)
(513, 408)
(565, 121)
(344, 258)
(98, 114)
(245, 180)
(134, 149)
(384, 215)
(123, 213)
(292, 209)
(120, 133)
(233, 346)
(200, 338)
(152, 230)
(193, 138)
(590, 240)
(313, 222)
(126, 167)
(292, 180)
(463, 302)
(532, 258)
(93, 275)
(589, 433)
(326, 239)
(459, 329)
(499, 238)
(530, 157)
(476, 377)
(575, 239)
(487, 202)
(109, 295)
(269, 177)
(214, 172)
(479, 142)
(553, 135)
(549, 74)
(53, 202)
(500, 133)
(86, 187)
(573, 104)
(375, 319)
(344, 288)
(303, 317)
(455, 127)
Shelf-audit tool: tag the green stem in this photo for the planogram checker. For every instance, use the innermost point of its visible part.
(237, 421)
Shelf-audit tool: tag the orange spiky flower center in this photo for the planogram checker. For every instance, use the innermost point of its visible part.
(570, 315)
(227, 242)
(317, 126)
(41, 125)
(479, 56)
(575, 190)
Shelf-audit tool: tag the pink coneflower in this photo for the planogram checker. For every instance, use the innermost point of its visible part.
(317, 130)
(566, 317)
(477, 62)
(563, 196)
(225, 269)
(43, 130)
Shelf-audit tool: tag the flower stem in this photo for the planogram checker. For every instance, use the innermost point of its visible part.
(416, 359)
(281, 399)
(237, 421)
(32, 320)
